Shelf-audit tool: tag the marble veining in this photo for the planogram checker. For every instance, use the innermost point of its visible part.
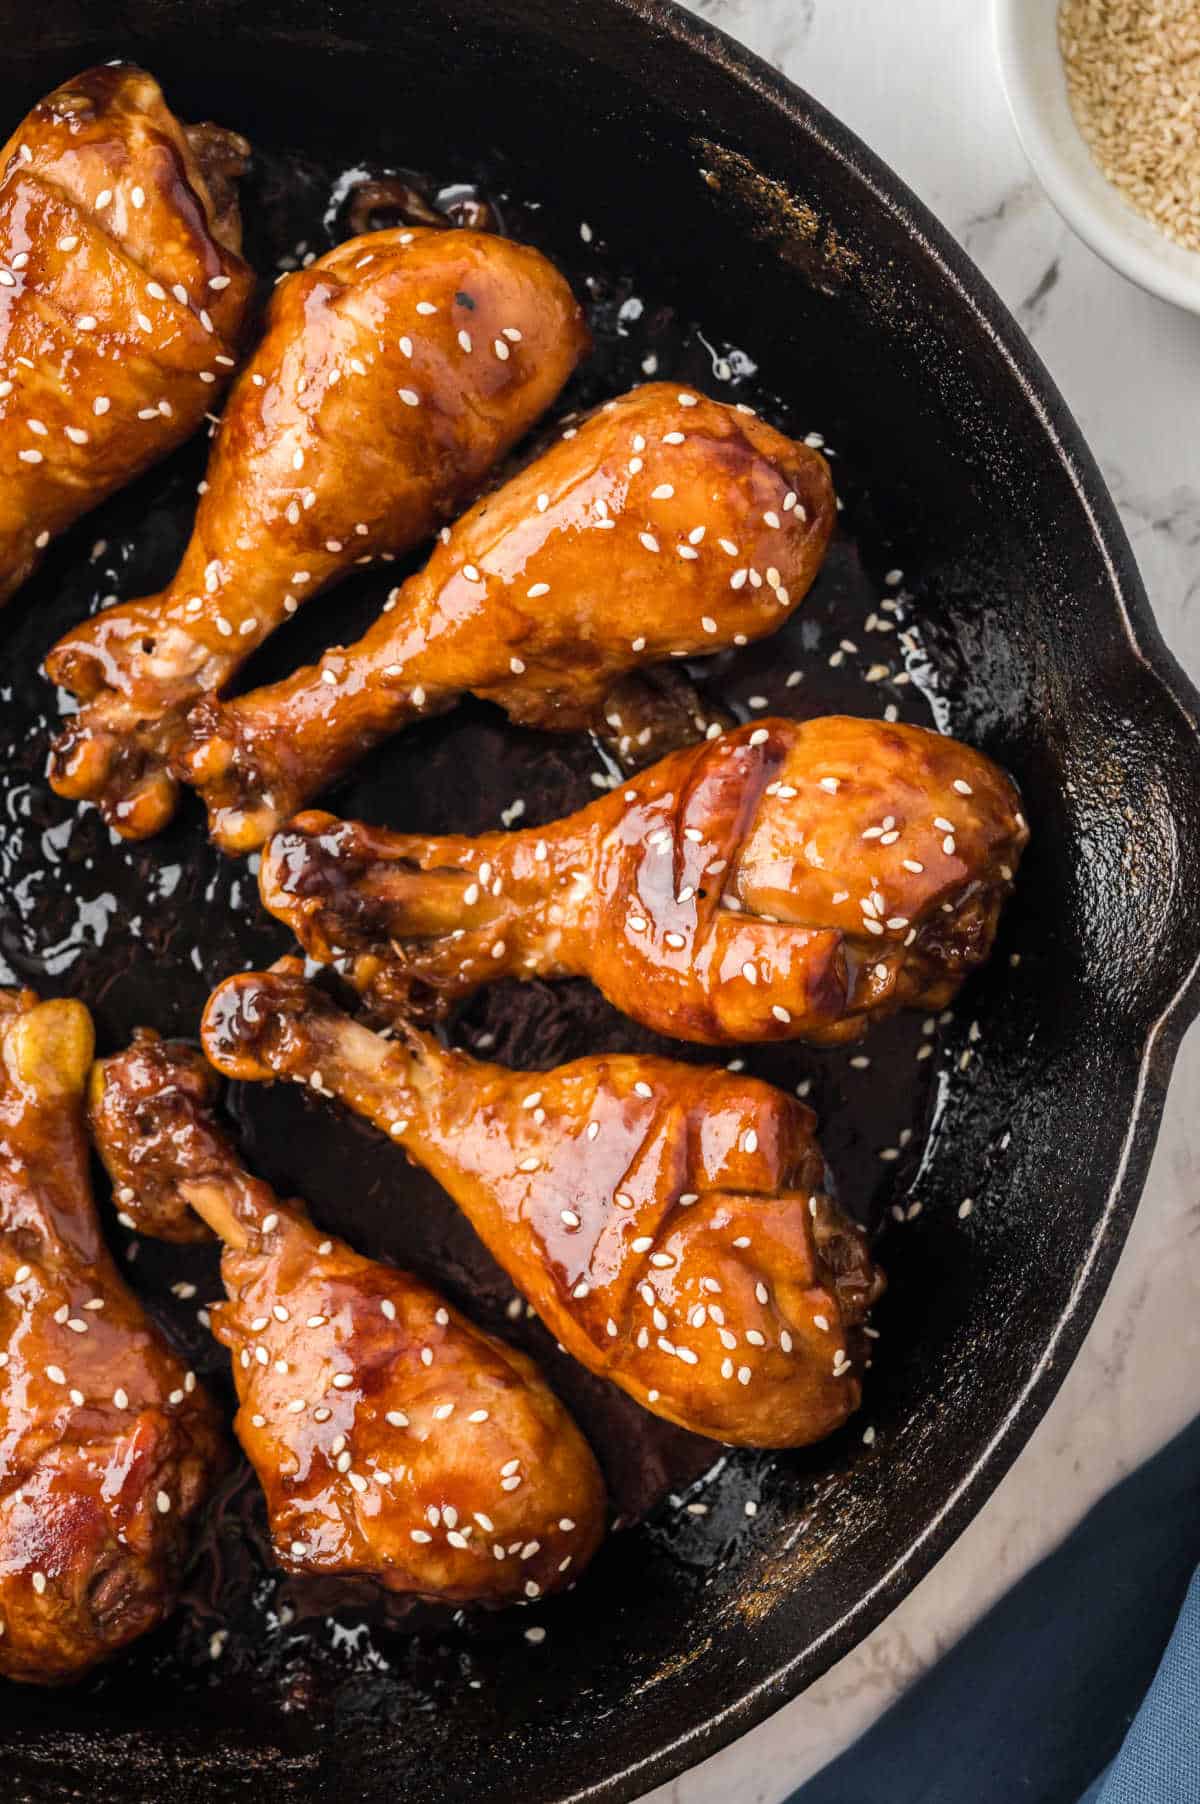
(919, 82)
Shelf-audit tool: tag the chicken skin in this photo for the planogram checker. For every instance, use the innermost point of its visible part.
(394, 372)
(786, 881)
(122, 297)
(668, 1223)
(664, 526)
(109, 1446)
(393, 1440)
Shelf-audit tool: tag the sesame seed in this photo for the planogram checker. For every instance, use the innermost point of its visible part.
(1130, 81)
(409, 396)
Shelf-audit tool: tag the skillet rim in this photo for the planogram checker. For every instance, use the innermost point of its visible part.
(941, 262)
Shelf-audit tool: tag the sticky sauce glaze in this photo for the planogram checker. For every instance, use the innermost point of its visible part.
(144, 932)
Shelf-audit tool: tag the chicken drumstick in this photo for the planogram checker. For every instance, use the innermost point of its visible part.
(109, 1445)
(122, 297)
(787, 881)
(393, 1440)
(668, 1223)
(394, 372)
(665, 525)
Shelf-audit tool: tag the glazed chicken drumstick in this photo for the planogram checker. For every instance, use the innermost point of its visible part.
(109, 1446)
(786, 881)
(393, 1440)
(394, 372)
(665, 525)
(668, 1223)
(122, 297)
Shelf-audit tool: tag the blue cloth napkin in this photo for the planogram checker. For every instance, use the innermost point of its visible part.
(1160, 1758)
(1062, 1693)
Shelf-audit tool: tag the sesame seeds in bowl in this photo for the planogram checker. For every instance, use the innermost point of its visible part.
(1106, 129)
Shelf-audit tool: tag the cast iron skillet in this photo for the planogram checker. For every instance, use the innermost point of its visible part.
(714, 193)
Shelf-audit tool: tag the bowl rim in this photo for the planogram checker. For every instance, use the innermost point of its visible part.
(1034, 84)
(764, 85)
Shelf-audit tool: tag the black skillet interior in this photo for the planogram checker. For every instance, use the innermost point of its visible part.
(719, 224)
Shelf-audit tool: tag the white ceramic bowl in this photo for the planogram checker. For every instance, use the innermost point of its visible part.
(1035, 81)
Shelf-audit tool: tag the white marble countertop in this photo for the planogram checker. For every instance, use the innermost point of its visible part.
(917, 80)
